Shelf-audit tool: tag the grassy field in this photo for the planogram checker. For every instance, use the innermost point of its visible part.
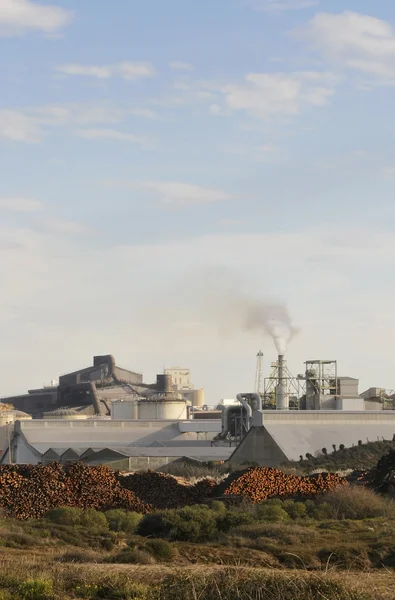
(341, 547)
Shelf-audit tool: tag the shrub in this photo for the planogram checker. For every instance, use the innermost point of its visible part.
(20, 540)
(65, 515)
(93, 520)
(234, 518)
(295, 510)
(190, 524)
(270, 512)
(160, 549)
(355, 502)
(35, 589)
(122, 520)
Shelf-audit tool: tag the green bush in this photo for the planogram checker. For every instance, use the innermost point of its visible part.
(122, 520)
(35, 589)
(160, 549)
(65, 515)
(190, 524)
(94, 520)
(271, 512)
(234, 518)
(295, 510)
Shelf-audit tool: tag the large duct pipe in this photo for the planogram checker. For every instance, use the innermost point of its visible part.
(248, 408)
(281, 395)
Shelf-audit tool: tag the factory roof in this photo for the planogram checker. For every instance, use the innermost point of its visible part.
(161, 438)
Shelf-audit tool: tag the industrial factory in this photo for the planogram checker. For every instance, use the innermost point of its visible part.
(104, 414)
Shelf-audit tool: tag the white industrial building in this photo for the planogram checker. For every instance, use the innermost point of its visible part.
(129, 445)
(279, 436)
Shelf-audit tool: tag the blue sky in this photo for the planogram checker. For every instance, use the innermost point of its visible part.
(146, 147)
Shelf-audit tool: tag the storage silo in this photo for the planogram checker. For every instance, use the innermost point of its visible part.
(124, 410)
(169, 408)
(198, 398)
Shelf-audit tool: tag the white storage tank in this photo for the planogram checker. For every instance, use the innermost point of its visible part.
(163, 408)
(123, 410)
(198, 399)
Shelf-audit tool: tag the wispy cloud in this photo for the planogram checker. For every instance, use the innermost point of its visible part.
(19, 205)
(181, 66)
(125, 70)
(353, 41)
(32, 124)
(176, 194)
(20, 16)
(270, 95)
(19, 127)
(111, 134)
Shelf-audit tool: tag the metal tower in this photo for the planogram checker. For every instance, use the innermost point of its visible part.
(292, 388)
(259, 373)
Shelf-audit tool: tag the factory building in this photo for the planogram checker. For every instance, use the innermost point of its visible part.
(125, 444)
(279, 436)
(181, 383)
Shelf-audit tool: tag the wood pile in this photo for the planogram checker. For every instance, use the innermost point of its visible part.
(162, 491)
(28, 492)
(261, 483)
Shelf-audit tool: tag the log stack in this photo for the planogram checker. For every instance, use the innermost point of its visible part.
(262, 483)
(28, 492)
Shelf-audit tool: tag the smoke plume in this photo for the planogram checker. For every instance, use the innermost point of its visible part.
(233, 306)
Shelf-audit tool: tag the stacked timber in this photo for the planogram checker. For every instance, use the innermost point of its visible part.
(30, 491)
(162, 491)
(259, 484)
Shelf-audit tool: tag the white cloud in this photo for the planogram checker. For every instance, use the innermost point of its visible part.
(268, 95)
(18, 127)
(181, 66)
(110, 134)
(280, 6)
(125, 70)
(19, 16)
(23, 205)
(31, 124)
(176, 194)
(63, 227)
(355, 41)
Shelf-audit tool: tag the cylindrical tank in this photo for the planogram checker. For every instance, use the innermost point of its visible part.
(123, 410)
(65, 414)
(198, 399)
(164, 383)
(162, 408)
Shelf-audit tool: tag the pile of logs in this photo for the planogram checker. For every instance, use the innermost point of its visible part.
(30, 491)
(163, 491)
(261, 483)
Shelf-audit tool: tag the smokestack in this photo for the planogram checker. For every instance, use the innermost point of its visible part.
(281, 395)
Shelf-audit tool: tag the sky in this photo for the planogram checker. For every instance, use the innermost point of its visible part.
(159, 159)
